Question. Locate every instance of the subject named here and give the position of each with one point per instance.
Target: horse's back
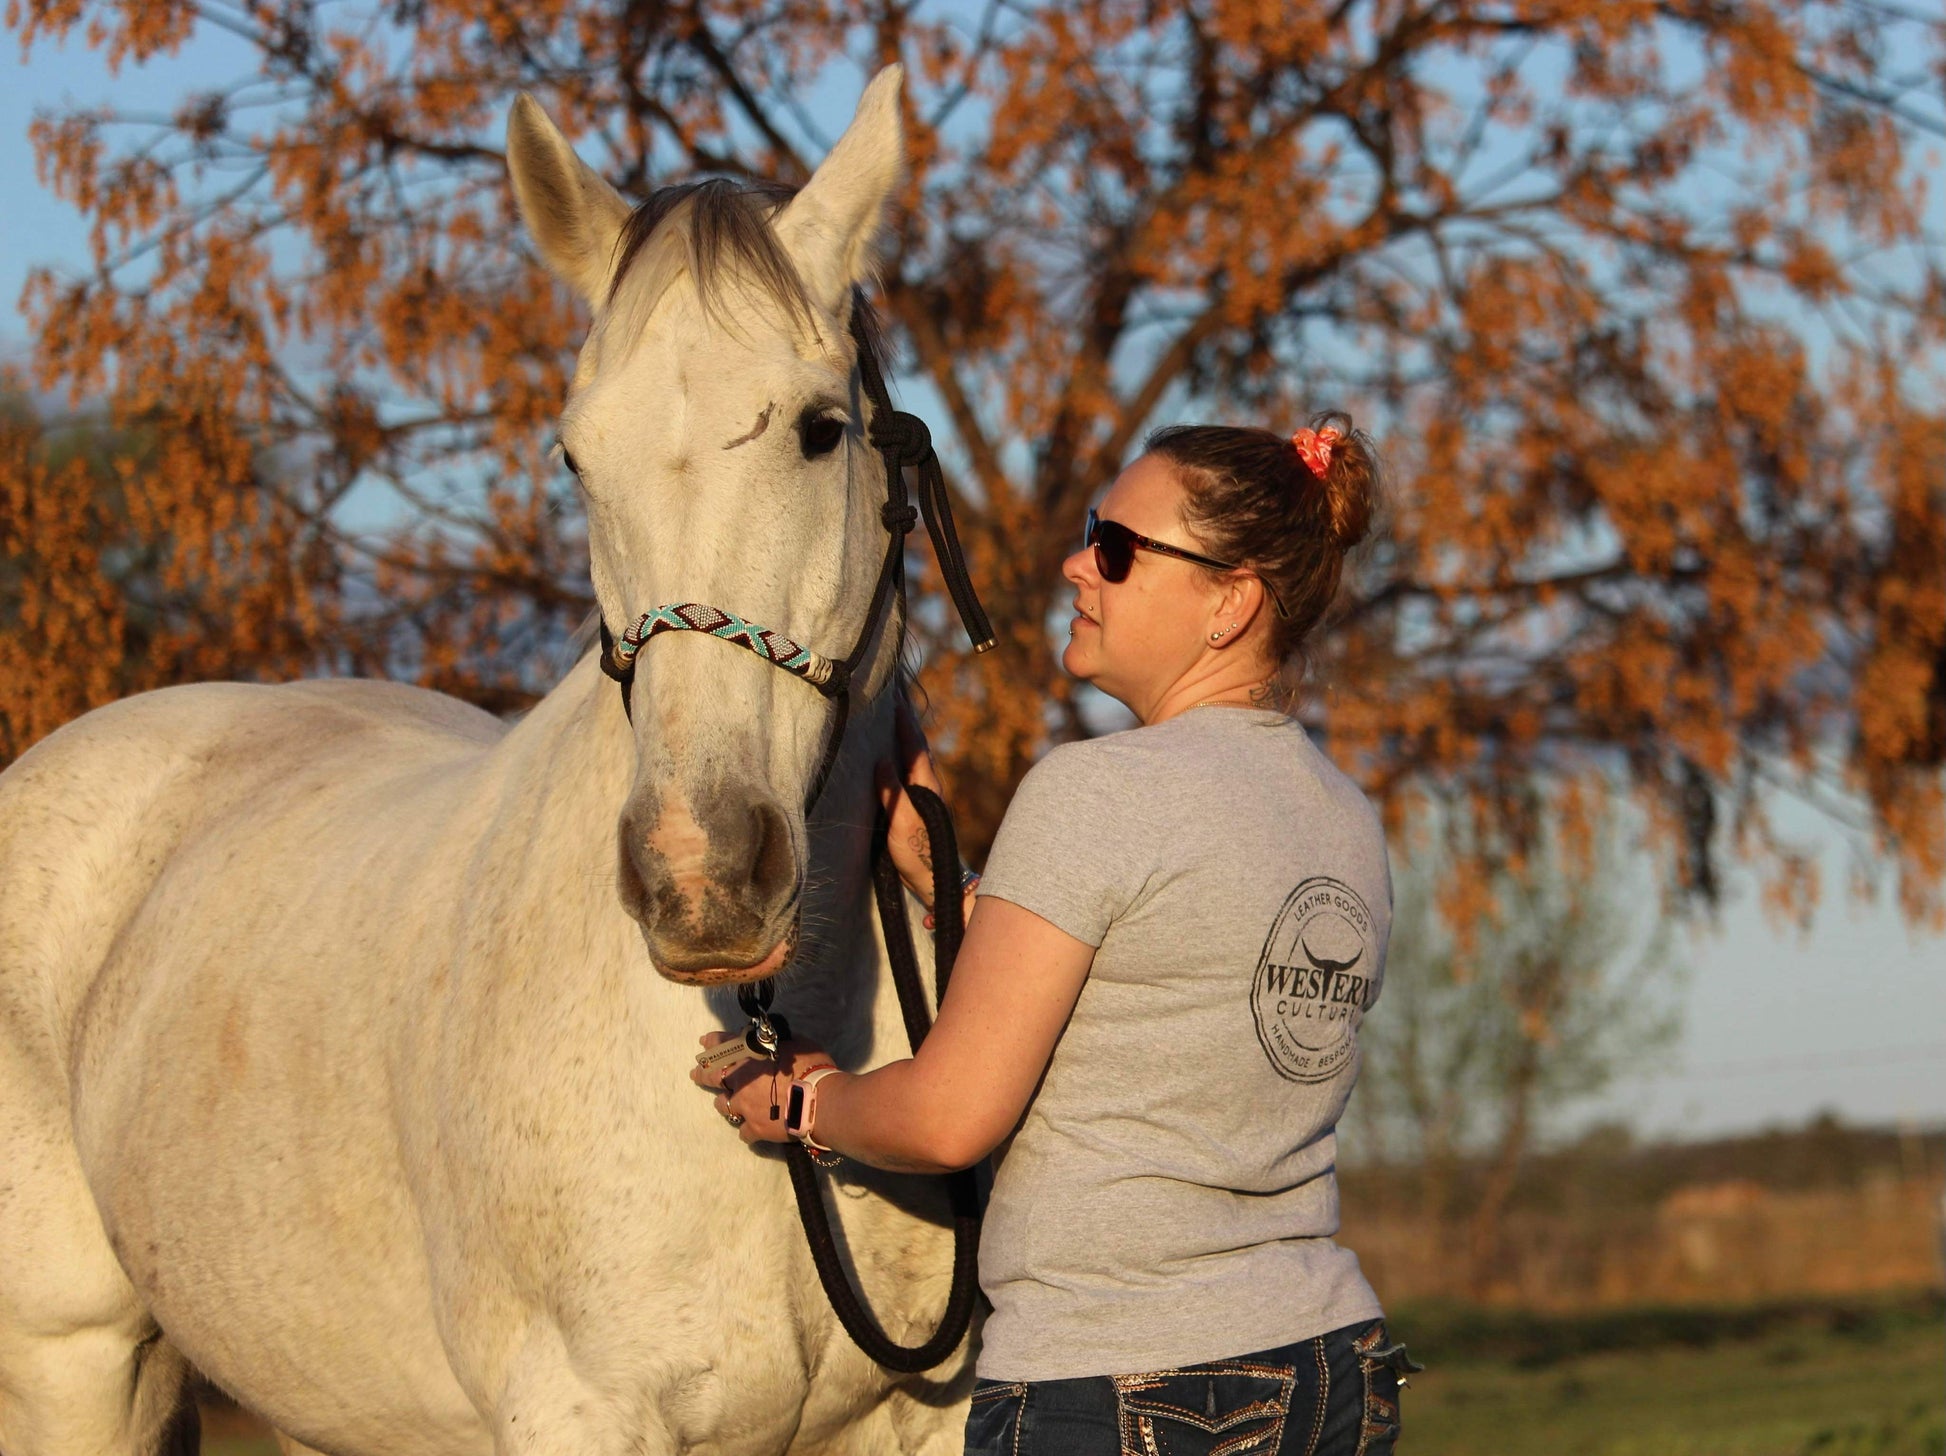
(90, 815)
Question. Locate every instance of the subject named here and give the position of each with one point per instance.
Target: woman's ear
(1242, 599)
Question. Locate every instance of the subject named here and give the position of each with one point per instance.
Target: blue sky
(1849, 1016)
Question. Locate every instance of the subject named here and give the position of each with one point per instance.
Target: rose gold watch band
(807, 1133)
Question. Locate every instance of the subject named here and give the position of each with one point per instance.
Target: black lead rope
(902, 439)
(962, 1192)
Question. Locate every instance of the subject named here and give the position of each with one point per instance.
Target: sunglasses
(1115, 546)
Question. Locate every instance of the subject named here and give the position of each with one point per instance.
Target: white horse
(334, 1059)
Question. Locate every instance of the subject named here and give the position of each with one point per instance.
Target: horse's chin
(774, 961)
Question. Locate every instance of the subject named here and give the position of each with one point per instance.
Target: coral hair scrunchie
(1314, 448)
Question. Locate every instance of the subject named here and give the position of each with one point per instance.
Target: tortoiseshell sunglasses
(1115, 546)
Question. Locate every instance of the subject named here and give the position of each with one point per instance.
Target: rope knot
(901, 436)
(899, 518)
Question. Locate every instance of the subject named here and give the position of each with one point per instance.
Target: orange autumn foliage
(1637, 296)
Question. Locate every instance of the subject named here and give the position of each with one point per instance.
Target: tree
(1639, 296)
(107, 589)
(1483, 1039)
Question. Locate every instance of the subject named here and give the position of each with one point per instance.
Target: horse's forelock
(715, 230)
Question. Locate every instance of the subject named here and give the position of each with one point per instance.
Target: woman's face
(1134, 639)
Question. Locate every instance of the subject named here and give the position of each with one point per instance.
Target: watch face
(794, 1110)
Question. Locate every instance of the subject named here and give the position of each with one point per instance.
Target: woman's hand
(751, 1096)
(907, 839)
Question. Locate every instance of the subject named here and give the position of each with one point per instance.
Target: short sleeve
(1067, 849)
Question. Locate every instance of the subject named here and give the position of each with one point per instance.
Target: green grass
(1788, 1381)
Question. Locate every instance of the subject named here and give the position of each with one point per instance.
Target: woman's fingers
(743, 1124)
(738, 1098)
(705, 1076)
(906, 837)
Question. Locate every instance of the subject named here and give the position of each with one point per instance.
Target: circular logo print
(1314, 980)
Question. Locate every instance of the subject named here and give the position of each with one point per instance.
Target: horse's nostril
(630, 880)
(772, 870)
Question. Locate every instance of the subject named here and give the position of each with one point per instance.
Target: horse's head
(717, 429)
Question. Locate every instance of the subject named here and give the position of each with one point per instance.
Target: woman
(1158, 996)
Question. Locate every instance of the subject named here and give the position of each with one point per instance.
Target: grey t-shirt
(1169, 1196)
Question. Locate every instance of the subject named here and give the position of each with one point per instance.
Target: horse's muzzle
(716, 892)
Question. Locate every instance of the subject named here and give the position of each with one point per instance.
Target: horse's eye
(821, 434)
(568, 460)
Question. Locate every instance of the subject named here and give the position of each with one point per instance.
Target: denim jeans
(1336, 1395)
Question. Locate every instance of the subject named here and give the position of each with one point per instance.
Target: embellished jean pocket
(993, 1420)
(1383, 1366)
(1222, 1408)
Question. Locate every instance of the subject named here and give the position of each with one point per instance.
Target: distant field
(1784, 1381)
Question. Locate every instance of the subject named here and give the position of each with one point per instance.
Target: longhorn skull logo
(1330, 967)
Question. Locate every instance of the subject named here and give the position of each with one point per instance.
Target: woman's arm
(1012, 989)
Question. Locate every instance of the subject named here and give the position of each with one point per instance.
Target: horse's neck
(567, 770)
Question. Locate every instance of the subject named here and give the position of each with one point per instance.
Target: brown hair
(1251, 499)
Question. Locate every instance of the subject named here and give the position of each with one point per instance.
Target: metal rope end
(986, 646)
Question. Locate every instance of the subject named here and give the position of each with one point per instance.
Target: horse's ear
(574, 216)
(831, 225)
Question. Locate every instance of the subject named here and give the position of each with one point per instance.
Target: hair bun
(1346, 468)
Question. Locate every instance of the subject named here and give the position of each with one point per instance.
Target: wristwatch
(801, 1110)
